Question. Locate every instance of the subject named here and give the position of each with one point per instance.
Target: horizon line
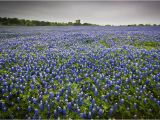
(84, 22)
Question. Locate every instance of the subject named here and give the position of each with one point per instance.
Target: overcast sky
(102, 12)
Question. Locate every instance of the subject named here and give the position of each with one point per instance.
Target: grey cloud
(99, 12)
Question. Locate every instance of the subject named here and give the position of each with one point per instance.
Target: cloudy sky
(102, 12)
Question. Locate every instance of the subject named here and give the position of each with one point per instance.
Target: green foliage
(40, 47)
(88, 41)
(147, 45)
(104, 43)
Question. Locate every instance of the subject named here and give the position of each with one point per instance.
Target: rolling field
(79, 72)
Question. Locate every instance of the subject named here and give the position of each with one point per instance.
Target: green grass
(0, 54)
(40, 47)
(115, 39)
(147, 45)
(14, 47)
(102, 42)
(67, 46)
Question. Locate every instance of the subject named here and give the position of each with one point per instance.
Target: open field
(79, 72)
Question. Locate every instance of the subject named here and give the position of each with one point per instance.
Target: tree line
(144, 25)
(137, 25)
(4, 21)
(22, 22)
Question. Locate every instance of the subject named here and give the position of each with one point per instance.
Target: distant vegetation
(144, 25)
(22, 22)
(130, 25)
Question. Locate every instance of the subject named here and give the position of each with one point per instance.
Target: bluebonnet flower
(29, 108)
(115, 106)
(147, 82)
(90, 107)
(145, 100)
(18, 99)
(59, 110)
(122, 101)
(135, 105)
(100, 112)
(32, 86)
(89, 115)
(93, 111)
(117, 87)
(41, 106)
(81, 115)
(64, 111)
(5, 83)
(115, 93)
(3, 91)
(110, 111)
(4, 109)
(84, 115)
(55, 113)
(18, 108)
(2, 105)
(129, 97)
(69, 105)
(36, 111)
(51, 94)
(34, 100)
(95, 92)
(93, 101)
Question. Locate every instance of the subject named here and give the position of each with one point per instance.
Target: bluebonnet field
(79, 72)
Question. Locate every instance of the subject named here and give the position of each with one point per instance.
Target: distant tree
(87, 24)
(29, 23)
(4, 21)
(107, 25)
(77, 23)
(70, 23)
(147, 24)
(132, 25)
(23, 22)
(140, 24)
